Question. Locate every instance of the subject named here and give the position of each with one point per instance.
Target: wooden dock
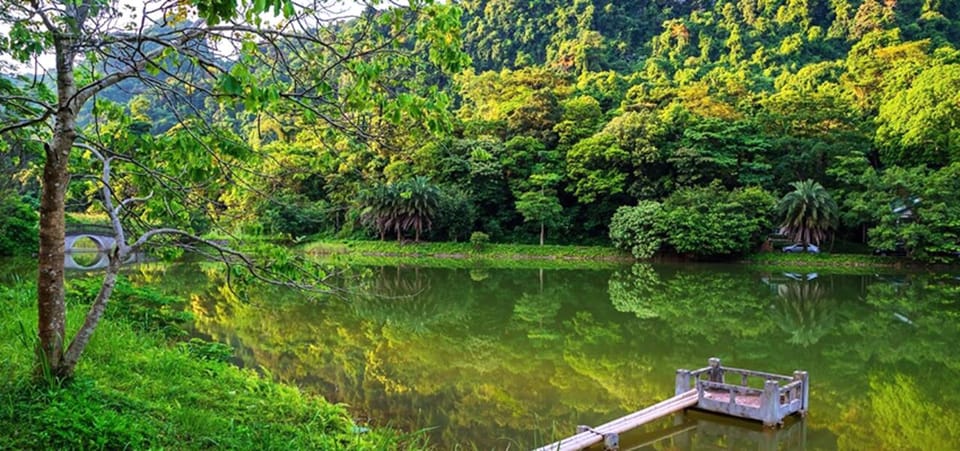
(707, 389)
(609, 433)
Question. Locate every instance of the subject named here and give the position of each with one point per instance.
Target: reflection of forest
(502, 360)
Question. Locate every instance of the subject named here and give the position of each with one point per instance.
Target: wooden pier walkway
(708, 389)
(609, 432)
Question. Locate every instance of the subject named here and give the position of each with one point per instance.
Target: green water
(494, 359)
(497, 359)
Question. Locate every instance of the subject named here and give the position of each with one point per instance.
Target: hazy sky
(133, 10)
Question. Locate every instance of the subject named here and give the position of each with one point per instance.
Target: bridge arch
(70, 240)
(71, 263)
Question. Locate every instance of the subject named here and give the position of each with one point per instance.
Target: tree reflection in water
(495, 358)
(804, 308)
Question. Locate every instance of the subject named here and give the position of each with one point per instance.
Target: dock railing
(779, 396)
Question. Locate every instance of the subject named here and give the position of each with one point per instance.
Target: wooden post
(804, 390)
(683, 382)
(716, 371)
(770, 403)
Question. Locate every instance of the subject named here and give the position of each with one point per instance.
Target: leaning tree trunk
(79, 343)
(50, 292)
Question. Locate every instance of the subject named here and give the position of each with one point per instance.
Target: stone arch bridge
(101, 236)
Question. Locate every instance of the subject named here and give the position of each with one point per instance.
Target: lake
(511, 358)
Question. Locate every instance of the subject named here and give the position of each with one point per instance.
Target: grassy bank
(801, 260)
(554, 256)
(135, 389)
(490, 254)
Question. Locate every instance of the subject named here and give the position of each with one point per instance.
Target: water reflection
(694, 430)
(507, 358)
(804, 307)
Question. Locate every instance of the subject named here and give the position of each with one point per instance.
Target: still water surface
(507, 358)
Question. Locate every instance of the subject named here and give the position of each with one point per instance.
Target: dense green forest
(683, 123)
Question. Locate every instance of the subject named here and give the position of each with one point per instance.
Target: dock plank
(626, 423)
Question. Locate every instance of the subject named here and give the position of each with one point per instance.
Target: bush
(18, 226)
(479, 240)
(455, 216)
(638, 229)
(700, 222)
(713, 222)
(293, 215)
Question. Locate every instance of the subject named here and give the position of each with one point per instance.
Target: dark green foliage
(711, 222)
(701, 222)
(918, 213)
(455, 216)
(18, 225)
(617, 102)
(294, 215)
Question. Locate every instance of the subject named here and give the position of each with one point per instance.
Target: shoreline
(525, 255)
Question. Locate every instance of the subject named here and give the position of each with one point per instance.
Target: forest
(663, 127)
(243, 129)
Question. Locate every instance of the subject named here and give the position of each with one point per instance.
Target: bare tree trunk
(542, 232)
(50, 292)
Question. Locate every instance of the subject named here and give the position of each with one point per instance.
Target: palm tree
(381, 209)
(420, 202)
(808, 212)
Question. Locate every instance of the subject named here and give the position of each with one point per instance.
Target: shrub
(479, 240)
(455, 216)
(293, 215)
(713, 222)
(638, 229)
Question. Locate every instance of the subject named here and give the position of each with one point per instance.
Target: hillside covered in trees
(697, 116)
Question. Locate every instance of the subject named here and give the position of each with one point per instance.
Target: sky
(132, 12)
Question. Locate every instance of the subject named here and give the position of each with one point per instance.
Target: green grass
(135, 390)
(93, 219)
(455, 255)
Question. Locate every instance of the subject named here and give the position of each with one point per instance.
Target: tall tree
(291, 59)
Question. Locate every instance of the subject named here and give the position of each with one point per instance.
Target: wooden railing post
(716, 371)
(770, 403)
(804, 390)
(682, 383)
